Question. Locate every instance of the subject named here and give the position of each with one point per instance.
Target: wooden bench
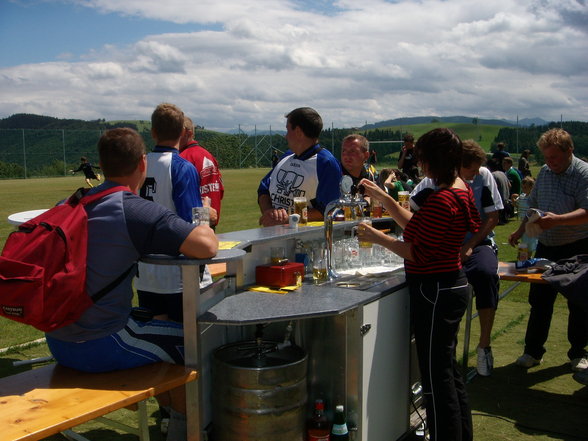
(41, 402)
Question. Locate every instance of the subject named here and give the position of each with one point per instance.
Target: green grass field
(483, 134)
(543, 403)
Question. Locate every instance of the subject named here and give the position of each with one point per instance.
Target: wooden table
(506, 271)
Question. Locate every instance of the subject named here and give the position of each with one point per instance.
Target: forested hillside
(526, 137)
(33, 145)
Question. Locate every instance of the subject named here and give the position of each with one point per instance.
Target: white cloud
(353, 61)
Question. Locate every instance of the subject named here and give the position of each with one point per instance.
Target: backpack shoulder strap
(85, 199)
(80, 196)
(98, 295)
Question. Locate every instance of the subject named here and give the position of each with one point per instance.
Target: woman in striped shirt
(438, 286)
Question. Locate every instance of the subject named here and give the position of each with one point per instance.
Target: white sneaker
(485, 361)
(526, 361)
(579, 364)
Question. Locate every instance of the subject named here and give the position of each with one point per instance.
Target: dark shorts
(482, 272)
(91, 175)
(170, 304)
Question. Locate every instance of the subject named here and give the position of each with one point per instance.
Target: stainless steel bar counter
(357, 340)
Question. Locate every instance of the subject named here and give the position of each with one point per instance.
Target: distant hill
(409, 121)
(39, 122)
(31, 121)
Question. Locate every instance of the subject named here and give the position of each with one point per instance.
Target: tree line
(33, 145)
(527, 137)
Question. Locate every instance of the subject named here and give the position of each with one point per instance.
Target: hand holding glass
(201, 216)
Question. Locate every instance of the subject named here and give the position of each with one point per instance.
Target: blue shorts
(137, 344)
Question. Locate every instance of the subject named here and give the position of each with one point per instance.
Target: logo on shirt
(148, 189)
(288, 183)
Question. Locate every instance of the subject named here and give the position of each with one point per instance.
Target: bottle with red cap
(318, 427)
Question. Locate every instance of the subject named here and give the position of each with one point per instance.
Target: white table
(23, 216)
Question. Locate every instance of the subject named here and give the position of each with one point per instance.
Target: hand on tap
(372, 190)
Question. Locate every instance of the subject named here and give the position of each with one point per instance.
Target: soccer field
(239, 207)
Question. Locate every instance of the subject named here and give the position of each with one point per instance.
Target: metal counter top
(308, 301)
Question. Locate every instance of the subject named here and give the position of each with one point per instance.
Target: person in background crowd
(561, 192)
(504, 189)
(499, 155)
(479, 253)
(524, 166)
(373, 159)
(355, 150)
(522, 204)
(393, 181)
(173, 182)
(211, 181)
(407, 161)
(527, 185)
(87, 168)
(121, 228)
(275, 158)
(439, 292)
(513, 177)
(308, 170)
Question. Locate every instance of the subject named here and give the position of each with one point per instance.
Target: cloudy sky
(246, 62)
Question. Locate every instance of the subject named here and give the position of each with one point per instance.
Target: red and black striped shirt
(437, 230)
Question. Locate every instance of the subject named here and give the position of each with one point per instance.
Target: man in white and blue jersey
(307, 171)
(561, 191)
(173, 182)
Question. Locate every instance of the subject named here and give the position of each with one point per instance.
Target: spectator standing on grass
(173, 182)
(524, 166)
(503, 189)
(275, 158)
(407, 161)
(499, 155)
(513, 176)
(439, 293)
(121, 228)
(88, 170)
(561, 192)
(211, 181)
(308, 170)
(522, 207)
(479, 253)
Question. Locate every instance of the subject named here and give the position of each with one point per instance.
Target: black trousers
(542, 297)
(437, 306)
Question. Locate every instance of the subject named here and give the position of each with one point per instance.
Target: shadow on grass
(532, 401)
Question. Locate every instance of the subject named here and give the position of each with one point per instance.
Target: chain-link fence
(26, 153)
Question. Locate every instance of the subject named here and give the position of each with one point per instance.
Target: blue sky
(47, 31)
(229, 62)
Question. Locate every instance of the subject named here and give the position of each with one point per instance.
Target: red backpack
(43, 266)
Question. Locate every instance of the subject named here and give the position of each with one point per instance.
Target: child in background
(527, 185)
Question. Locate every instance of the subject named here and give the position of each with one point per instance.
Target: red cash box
(279, 275)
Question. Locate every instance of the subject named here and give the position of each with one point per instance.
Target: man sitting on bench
(122, 227)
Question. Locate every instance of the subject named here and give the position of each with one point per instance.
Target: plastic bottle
(339, 432)
(318, 427)
(523, 253)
